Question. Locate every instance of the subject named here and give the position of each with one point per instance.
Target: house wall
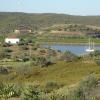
(12, 41)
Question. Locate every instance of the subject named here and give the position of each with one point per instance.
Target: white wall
(12, 40)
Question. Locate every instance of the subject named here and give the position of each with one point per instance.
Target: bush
(68, 56)
(24, 57)
(3, 70)
(31, 93)
(6, 45)
(77, 94)
(25, 48)
(8, 50)
(34, 48)
(22, 42)
(5, 52)
(50, 86)
(2, 55)
(41, 61)
(83, 91)
(7, 55)
(89, 83)
(51, 52)
(18, 87)
(97, 62)
(6, 91)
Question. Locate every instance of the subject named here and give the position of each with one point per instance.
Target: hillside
(10, 21)
(31, 71)
(61, 28)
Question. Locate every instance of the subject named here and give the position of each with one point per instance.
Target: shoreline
(59, 43)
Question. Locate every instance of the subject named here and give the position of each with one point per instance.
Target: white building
(22, 31)
(12, 40)
(17, 31)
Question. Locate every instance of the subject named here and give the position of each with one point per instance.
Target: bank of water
(76, 49)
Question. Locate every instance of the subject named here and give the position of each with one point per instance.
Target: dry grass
(61, 72)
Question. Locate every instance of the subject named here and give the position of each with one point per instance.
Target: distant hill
(63, 28)
(13, 20)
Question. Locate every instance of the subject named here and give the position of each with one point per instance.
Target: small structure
(16, 31)
(23, 29)
(12, 40)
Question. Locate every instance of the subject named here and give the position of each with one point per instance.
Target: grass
(66, 40)
(62, 72)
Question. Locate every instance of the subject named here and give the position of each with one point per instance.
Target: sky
(72, 7)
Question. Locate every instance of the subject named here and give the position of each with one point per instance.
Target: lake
(76, 49)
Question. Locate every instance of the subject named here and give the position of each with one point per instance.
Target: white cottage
(12, 40)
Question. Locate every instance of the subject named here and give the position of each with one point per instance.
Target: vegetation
(29, 71)
(11, 21)
(85, 90)
(42, 61)
(68, 56)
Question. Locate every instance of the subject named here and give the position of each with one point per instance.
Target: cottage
(12, 40)
(16, 31)
(23, 29)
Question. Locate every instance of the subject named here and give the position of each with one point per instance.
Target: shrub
(97, 62)
(97, 53)
(2, 55)
(18, 87)
(42, 51)
(77, 94)
(89, 83)
(83, 90)
(24, 57)
(22, 42)
(7, 55)
(6, 91)
(8, 50)
(34, 48)
(25, 48)
(3, 70)
(68, 56)
(41, 61)
(51, 52)
(50, 86)
(6, 45)
(31, 93)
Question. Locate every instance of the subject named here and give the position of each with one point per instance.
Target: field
(61, 72)
(58, 80)
(65, 39)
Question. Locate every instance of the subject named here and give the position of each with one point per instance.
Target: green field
(66, 40)
(62, 72)
(58, 79)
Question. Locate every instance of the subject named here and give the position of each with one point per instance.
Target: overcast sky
(73, 7)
